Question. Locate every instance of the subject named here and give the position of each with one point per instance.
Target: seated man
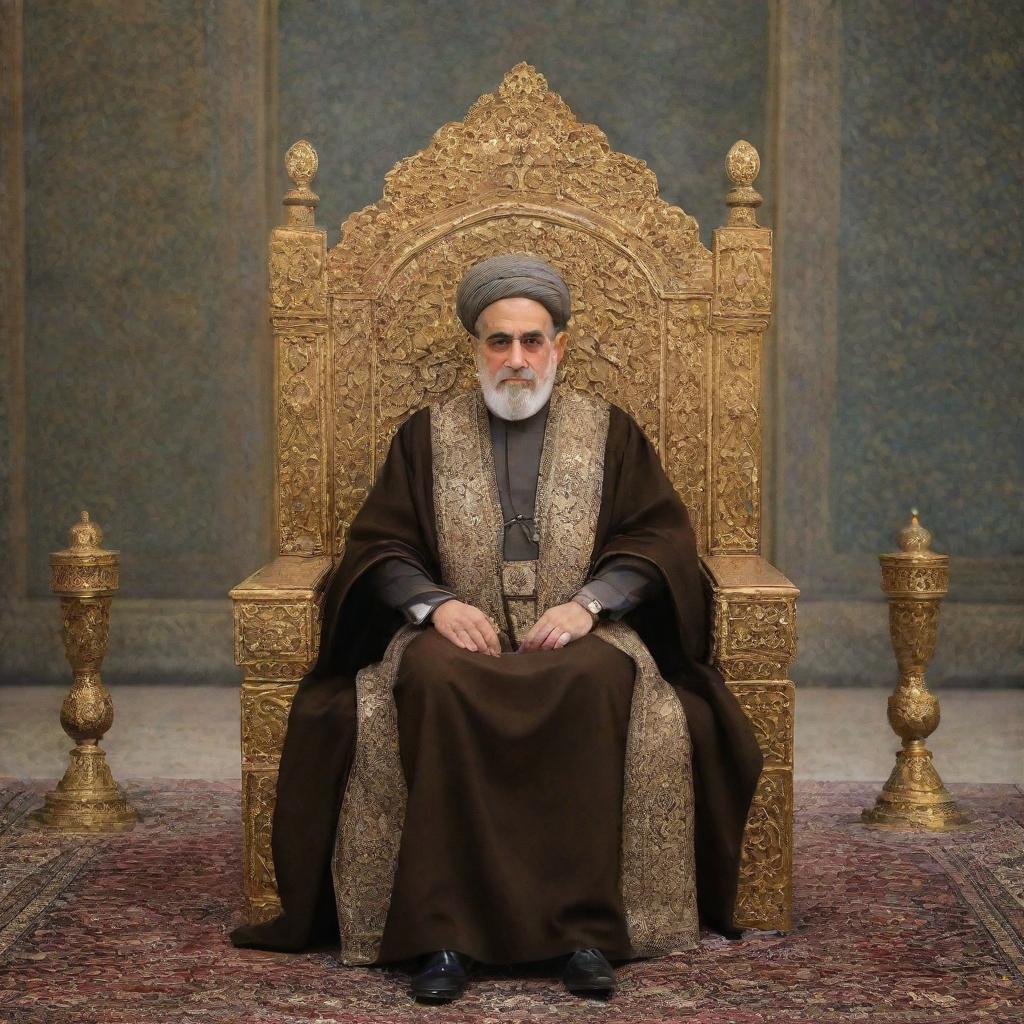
(512, 747)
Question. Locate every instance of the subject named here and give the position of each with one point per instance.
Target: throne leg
(765, 896)
(265, 708)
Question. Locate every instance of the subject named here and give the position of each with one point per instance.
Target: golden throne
(365, 333)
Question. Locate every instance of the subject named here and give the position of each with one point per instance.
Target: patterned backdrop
(148, 166)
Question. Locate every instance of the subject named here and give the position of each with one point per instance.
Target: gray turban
(511, 276)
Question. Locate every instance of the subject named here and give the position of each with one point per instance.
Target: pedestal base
(87, 798)
(914, 798)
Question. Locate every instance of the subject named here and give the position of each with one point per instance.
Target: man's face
(518, 351)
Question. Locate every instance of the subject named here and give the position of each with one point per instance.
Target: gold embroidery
(372, 811)
(657, 878)
(658, 872)
(519, 579)
(466, 505)
(519, 590)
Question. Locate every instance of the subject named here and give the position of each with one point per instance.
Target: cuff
(422, 606)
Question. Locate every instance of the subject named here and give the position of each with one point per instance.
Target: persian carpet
(887, 927)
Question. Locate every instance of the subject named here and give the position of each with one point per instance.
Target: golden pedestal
(86, 577)
(915, 580)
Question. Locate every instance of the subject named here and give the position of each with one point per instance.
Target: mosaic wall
(146, 369)
(930, 373)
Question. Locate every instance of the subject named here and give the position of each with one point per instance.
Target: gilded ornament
(742, 163)
(915, 579)
(301, 163)
(736, 441)
(764, 895)
(265, 710)
(85, 576)
(770, 710)
(259, 794)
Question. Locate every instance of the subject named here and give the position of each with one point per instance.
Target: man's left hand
(557, 627)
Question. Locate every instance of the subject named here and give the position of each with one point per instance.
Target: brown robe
(640, 515)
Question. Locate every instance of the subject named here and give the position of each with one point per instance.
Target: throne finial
(742, 165)
(301, 164)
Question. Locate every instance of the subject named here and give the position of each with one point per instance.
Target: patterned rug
(887, 927)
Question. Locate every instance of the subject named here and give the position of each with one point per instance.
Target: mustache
(506, 374)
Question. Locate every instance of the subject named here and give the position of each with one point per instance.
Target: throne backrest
(367, 333)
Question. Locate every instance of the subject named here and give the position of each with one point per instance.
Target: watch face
(594, 607)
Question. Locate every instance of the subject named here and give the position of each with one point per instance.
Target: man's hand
(557, 627)
(466, 627)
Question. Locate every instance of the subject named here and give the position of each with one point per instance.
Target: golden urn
(85, 576)
(915, 579)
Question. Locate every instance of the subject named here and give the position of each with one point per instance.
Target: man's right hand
(466, 627)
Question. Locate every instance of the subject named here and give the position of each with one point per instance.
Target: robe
(639, 516)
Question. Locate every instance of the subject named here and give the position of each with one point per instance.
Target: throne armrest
(754, 617)
(753, 642)
(277, 617)
(277, 634)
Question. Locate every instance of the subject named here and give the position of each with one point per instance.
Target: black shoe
(442, 976)
(589, 973)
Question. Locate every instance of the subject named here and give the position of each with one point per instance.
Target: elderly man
(512, 747)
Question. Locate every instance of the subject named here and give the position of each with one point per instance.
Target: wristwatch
(593, 606)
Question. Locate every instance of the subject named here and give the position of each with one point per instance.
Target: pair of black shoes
(443, 976)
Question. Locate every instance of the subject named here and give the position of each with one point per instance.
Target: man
(544, 764)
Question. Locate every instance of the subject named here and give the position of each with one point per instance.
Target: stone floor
(192, 732)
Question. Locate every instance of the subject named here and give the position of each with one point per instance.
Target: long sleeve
(406, 588)
(621, 584)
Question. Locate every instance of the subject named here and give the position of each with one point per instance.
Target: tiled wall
(143, 393)
(149, 161)
(930, 369)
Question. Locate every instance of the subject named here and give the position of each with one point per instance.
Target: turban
(510, 276)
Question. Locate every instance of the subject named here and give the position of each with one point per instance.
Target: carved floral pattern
(908, 577)
(264, 721)
(86, 630)
(296, 271)
(913, 626)
(744, 271)
(522, 141)
(742, 163)
(276, 671)
(761, 629)
(272, 630)
(259, 794)
(736, 492)
(301, 163)
(353, 343)
(301, 433)
(687, 372)
(76, 578)
(770, 710)
(764, 896)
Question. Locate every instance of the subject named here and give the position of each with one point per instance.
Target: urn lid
(85, 539)
(915, 543)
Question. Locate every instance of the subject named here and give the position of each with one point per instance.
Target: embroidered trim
(658, 870)
(372, 811)
(470, 530)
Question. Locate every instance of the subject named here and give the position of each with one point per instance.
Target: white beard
(516, 401)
